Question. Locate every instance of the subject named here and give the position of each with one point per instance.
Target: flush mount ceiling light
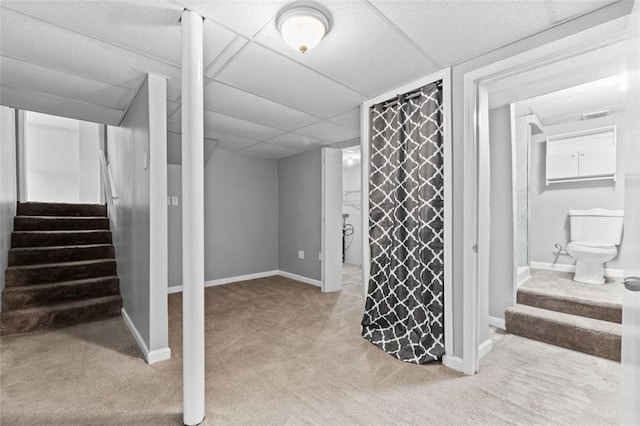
(302, 27)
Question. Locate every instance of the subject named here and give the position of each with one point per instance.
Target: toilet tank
(596, 226)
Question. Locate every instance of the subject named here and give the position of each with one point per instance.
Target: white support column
(193, 218)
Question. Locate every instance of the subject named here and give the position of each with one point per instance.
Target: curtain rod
(409, 95)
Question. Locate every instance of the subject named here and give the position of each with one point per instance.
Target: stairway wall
(139, 216)
(8, 193)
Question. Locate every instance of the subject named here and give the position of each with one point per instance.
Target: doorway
(60, 160)
(573, 60)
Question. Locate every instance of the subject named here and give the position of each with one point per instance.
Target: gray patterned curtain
(404, 309)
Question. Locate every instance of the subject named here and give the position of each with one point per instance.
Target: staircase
(571, 322)
(61, 268)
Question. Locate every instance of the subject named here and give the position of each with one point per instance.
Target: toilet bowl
(590, 259)
(595, 234)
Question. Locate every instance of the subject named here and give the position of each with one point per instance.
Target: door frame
(477, 189)
(445, 76)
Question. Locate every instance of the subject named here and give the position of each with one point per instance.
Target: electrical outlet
(168, 201)
(145, 160)
(300, 254)
(320, 256)
(174, 201)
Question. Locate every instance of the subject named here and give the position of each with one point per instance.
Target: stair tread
(73, 246)
(568, 319)
(570, 298)
(36, 287)
(61, 264)
(63, 306)
(60, 231)
(23, 216)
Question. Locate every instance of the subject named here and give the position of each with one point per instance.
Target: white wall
(300, 205)
(501, 260)
(90, 135)
(549, 205)
(8, 194)
(174, 189)
(141, 268)
(52, 161)
(351, 178)
(241, 215)
(61, 160)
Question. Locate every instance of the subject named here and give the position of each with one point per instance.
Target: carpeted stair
(61, 268)
(574, 323)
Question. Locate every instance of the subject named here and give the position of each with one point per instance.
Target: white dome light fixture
(302, 27)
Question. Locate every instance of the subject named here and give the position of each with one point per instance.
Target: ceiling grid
(86, 60)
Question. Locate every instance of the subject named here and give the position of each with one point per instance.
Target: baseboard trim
(174, 289)
(229, 280)
(453, 362)
(247, 277)
(159, 355)
(485, 348)
(560, 267)
(300, 278)
(497, 322)
(151, 357)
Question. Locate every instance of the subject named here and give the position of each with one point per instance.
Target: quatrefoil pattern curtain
(404, 308)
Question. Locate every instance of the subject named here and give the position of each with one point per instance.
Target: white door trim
(476, 161)
(445, 76)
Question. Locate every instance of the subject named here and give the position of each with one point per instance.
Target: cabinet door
(562, 165)
(598, 162)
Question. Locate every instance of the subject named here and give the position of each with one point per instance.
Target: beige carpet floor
(562, 284)
(281, 352)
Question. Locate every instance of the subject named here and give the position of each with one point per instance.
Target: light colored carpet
(281, 352)
(562, 284)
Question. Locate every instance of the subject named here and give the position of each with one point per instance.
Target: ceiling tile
(453, 31)
(244, 17)
(232, 143)
(350, 119)
(224, 124)
(25, 76)
(172, 107)
(212, 68)
(271, 151)
(361, 50)
(151, 27)
(328, 131)
(39, 43)
(38, 102)
(565, 9)
(268, 74)
(176, 115)
(295, 141)
(230, 101)
(174, 127)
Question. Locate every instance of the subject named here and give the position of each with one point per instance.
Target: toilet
(595, 234)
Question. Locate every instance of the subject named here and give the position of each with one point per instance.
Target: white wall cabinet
(582, 156)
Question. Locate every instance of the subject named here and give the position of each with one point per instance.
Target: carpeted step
(59, 238)
(58, 254)
(605, 311)
(16, 276)
(61, 209)
(588, 335)
(62, 314)
(59, 223)
(53, 293)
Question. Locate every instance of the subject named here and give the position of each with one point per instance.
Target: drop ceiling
(86, 60)
(568, 105)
